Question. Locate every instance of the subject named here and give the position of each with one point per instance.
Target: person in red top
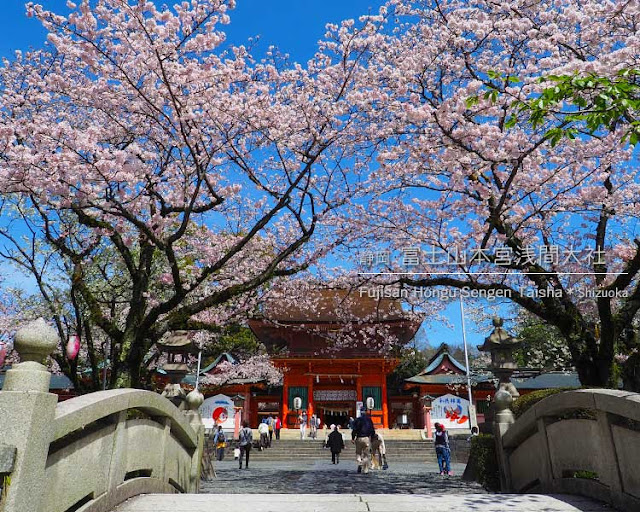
(443, 452)
(277, 427)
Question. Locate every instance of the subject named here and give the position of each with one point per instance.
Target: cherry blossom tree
(542, 345)
(8, 323)
(258, 367)
(482, 198)
(201, 173)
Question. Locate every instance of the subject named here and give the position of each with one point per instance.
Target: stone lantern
(501, 345)
(177, 346)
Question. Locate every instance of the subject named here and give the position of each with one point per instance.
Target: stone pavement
(322, 477)
(319, 486)
(358, 503)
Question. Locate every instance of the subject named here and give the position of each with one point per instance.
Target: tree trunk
(631, 373)
(130, 371)
(593, 374)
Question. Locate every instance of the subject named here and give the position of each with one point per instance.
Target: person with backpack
(220, 443)
(361, 435)
(313, 424)
(271, 422)
(443, 451)
(263, 430)
(245, 438)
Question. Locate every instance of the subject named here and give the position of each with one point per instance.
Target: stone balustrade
(584, 442)
(92, 452)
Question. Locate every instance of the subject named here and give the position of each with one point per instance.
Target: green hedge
(483, 463)
(525, 402)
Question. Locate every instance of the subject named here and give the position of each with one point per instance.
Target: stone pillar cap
(35, 341)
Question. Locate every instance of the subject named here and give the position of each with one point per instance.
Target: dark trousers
(277, 433)
(335, 457)
(244, 451)
(219, 453)
(270, 437)
(444, 458)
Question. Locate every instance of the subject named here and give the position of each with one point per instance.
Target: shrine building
(333, 377)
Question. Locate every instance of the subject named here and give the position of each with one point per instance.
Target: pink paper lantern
(73, 347)
(3, 353)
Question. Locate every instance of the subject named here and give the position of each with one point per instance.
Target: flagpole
(466, 358)
(198, 372)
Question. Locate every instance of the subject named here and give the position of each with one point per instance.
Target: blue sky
(294, 26)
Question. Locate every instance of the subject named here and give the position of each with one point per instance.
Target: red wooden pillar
(310, 398)
(247, 405)
(237, 421)
(285, 402)
(385, 408)
(427, 422)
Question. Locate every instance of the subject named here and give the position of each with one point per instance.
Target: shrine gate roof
(334, 306)
(309, 326)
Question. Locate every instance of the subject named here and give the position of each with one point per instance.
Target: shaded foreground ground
(322, 477)
(359, 503)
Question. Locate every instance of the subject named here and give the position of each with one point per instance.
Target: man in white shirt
(263, 430)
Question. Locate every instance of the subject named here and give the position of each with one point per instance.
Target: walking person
(245, 438)
(302, 420)
(263, 430)
(313, 424)
(378, 452)
(361, 435)
(443, 451)
(271, 422)
(335, 443)
(326, 435)
(278, 426)
(220, 443)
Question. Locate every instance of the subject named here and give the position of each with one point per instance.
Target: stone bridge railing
(584, 442)
(89, 453)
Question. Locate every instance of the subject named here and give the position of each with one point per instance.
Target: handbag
(236, 453)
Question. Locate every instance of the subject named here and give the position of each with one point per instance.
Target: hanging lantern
(3, 353)
(73, 347)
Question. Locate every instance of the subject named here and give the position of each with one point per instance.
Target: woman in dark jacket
(335, 443)
(443, 452)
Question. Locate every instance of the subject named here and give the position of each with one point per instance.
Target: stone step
(358, 503)
(319, 442)
(388, 434)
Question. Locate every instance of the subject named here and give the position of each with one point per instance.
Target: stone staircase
(397, 451)
(309, 449)
(388, 434)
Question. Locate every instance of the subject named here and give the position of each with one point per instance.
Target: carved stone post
(28, 412)
(193, 402)
(503, 419)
